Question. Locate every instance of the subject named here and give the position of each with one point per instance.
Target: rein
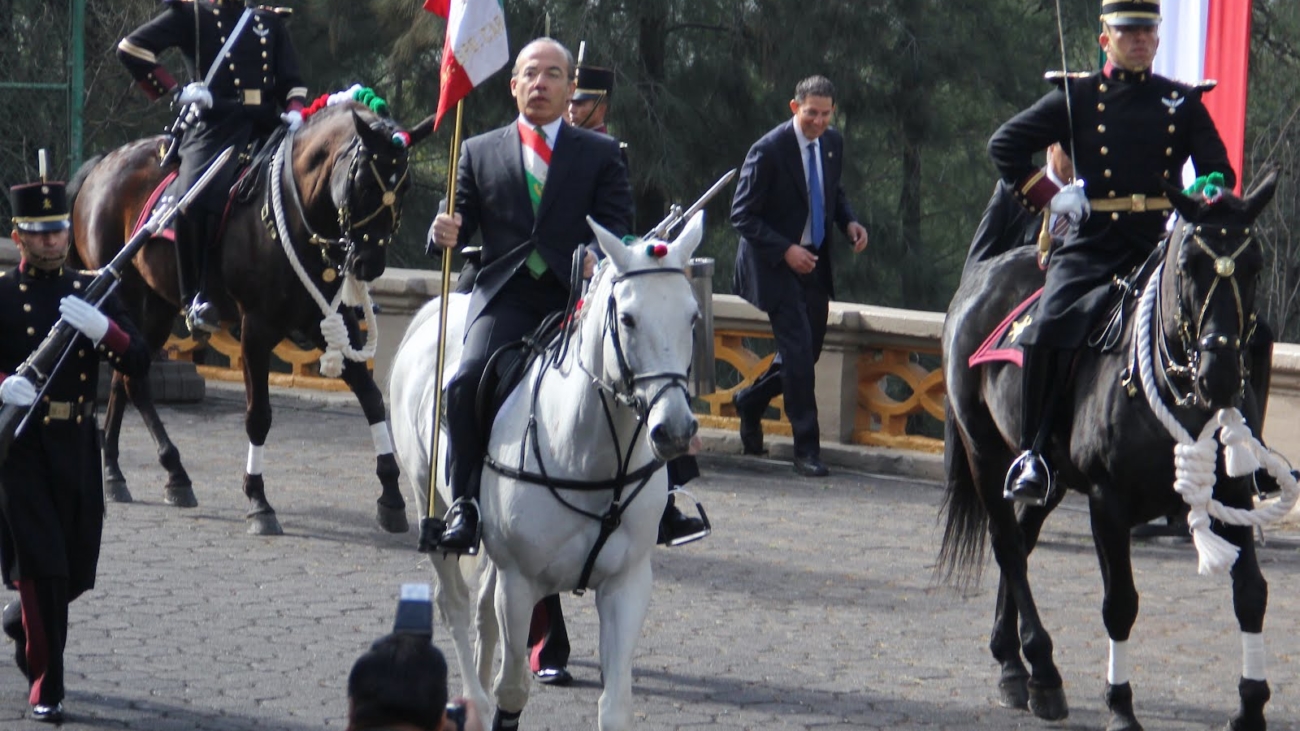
(332, 327)
(622, 391)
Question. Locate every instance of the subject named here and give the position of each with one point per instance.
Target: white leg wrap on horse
(254, 466)
(383, 442)
(1252, 656)
(1118, 672)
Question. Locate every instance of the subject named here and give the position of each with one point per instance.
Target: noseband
(1195, 342)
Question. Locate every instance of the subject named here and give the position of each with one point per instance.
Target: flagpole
(435, 438)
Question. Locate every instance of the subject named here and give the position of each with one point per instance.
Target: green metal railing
(74, 86)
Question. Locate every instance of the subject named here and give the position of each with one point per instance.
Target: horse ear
(1189, 208)
(690, 237)
(371, 138)
(1260, 195)
(615, 251)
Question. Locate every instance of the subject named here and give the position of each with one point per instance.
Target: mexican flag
(1210, 39)
(474, 49)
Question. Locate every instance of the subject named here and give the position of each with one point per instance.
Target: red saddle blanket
(161, 197)
(1001, 344)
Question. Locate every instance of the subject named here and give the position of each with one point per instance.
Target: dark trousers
(45, 626)
(799, 326)
(516, 311)
(548, 638)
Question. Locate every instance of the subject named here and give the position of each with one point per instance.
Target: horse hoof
(115, 491)
(180, 496)
(264, 524)
(392, 520)
(1014, 693)
(1048, 703)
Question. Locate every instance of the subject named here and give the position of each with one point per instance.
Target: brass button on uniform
(27, 308)
(31, 331)
(1105, 150)
(1102, 88)
(1114, 216)
(1101, 128)
(1169, 152)
(1101, 106)
(1172, 128)
(1107, 173)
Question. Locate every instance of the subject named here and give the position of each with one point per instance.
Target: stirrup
(198, 318)
(1014, 471)
(704, 532)
(472, 549)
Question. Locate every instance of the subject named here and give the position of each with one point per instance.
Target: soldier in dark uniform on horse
(246, 72)
(51, 496)
(1127, 129)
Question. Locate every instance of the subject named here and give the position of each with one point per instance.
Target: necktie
(537, 160)
(815, 204)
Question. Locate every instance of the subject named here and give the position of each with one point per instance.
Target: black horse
(336, 199)
(1114, 450)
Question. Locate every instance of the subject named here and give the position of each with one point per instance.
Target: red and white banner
(1210, 39)
(475, 47)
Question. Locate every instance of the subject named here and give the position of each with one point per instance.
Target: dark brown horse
(1184, 367)
(337, 200)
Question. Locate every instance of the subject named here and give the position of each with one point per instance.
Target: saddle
(1001, 345)
(254, 168)
(506, 369)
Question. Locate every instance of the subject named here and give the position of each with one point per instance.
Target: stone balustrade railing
(878, 379)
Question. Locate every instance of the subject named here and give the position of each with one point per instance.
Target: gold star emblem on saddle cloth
(1019, 326)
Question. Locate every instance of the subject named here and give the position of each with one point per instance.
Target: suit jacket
(769, 211)
(1006, 225)
(587, 177)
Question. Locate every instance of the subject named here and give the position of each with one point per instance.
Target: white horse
(594, 420)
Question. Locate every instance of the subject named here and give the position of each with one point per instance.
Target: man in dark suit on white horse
(527, 188)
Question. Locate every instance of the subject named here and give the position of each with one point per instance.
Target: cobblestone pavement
(813, 605)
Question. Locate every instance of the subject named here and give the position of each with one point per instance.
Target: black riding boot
(677, 528)
(1260, 354)
(1030, 479)
(462, 534)
(193, 237)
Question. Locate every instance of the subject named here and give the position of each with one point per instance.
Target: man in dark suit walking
(789, 189)
(527, 188)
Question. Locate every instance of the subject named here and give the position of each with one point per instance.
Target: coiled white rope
(1195, 461)
(352, 292)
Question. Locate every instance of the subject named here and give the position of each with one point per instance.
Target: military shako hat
(1130, 12)
(594, 82)
(41, 206)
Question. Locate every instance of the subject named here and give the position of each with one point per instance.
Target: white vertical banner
(1181, 56)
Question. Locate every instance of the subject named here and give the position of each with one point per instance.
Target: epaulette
(1059, 77)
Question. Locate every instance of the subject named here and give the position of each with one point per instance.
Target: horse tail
(961, 557)
(74, 187)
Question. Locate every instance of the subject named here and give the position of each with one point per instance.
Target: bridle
(338, 252)
(623, 388)
(1190, 327)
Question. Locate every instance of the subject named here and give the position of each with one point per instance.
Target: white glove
(82, 315)
(17, 391)
(1072, 203)
(293, 118)
(196, 93)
